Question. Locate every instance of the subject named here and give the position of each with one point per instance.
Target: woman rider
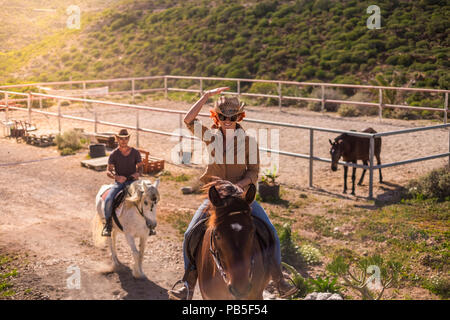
(226, 113)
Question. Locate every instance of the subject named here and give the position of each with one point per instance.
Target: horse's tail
(96, 228)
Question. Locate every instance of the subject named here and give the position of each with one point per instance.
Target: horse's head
(232, 235)
(144, 196)
(336, 152)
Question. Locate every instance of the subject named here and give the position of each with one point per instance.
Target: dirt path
(46, 209)
(46, 206)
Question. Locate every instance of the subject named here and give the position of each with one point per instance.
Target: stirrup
(289, 292)
(186, 285)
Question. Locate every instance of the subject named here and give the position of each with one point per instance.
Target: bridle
(141, 212)
(216, 257)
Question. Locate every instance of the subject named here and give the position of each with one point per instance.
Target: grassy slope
(295, 40)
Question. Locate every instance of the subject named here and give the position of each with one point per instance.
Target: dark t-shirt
(125, 166)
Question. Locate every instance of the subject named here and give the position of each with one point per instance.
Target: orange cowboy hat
(228, 106)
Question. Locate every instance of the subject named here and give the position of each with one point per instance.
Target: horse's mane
(339, 137)
(226, 189)
(134, 193)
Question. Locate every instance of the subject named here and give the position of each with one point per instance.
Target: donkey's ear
(214, 197)
(251, 193)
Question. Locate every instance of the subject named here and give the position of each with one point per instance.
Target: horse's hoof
(139, 276)
(116, 267)
(353, 193)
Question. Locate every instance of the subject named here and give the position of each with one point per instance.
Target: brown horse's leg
(363, 173)
(345, 179)
(353, 178)
(378, 163)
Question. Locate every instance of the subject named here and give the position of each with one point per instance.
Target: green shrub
(329, 94)
(326, 284)
(310, 254)
(438, 285)
(435, 184)
(352, 110)
(289, 250)
(348, 110)
(69, 142)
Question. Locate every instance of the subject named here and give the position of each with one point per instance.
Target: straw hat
(228, 106)
(123, 134)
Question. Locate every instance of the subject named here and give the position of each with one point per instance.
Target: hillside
(293, 40)
(25, 22)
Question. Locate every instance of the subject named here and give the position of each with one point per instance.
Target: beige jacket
(232, 170)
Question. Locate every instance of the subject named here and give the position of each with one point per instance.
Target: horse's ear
(156, 184)
(330, 142)
(214, 197)
(251, 193)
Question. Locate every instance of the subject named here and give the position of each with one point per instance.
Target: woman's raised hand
(216, 91)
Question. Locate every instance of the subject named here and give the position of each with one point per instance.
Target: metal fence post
(322, 109)
(165, 87)
(7, 108)
(446, 108)
(181, 152)
(311, 155)
(371, 152)
(201, 87)
(137, 128)
(29, 107)
(380, 102)
(132, 90)
(84, 94)
(239, 88)
(95, 121)
(279, 95)
(59, 116)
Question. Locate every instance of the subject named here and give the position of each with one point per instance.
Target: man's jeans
(257, 211)
(115, 189)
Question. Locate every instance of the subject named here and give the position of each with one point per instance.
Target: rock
(335, 296)
(187, 190)
(311, 296)
(323, 296)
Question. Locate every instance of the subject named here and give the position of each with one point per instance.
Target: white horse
(136, 214)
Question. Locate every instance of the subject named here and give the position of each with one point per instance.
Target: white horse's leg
(142, 242)
(137, 272)
(115, 259)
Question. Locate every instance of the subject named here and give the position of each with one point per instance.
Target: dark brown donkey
(351, 149)
(230, 262)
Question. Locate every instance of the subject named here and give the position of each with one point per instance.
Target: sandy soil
(46, 205)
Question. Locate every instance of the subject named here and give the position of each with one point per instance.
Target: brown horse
(351, 149)
(230, 260)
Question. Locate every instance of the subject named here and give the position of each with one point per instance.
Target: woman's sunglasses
(232, 118)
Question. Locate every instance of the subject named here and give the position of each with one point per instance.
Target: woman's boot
(187, 291)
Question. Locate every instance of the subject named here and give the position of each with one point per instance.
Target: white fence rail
(323, 99)
(31, 95)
